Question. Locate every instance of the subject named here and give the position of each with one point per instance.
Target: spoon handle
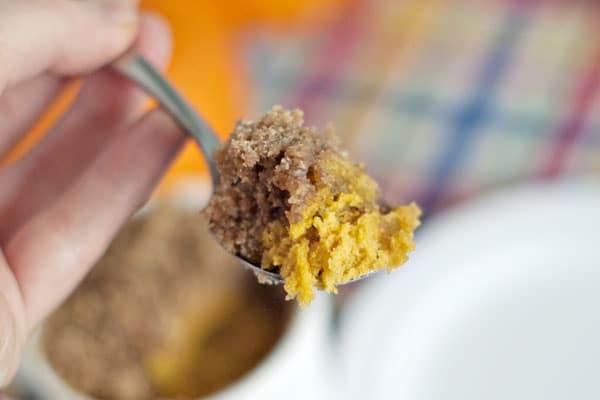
(137, 69)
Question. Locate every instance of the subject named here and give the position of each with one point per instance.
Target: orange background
(206, 64)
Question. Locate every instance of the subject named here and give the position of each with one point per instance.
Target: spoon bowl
(138, 70)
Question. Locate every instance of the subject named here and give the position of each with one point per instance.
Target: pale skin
(61, 204)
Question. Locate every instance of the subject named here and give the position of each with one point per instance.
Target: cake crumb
(291, 201)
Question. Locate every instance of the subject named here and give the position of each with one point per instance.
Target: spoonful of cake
(287, 201)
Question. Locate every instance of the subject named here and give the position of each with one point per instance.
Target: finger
(105, 103)
(11, 329)
(55, 248)
(22, 105)
(62, 36)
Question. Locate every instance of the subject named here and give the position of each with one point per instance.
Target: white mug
(294, 369)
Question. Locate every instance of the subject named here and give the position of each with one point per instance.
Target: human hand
(62, 202)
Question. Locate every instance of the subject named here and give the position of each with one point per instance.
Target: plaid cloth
(445, 99)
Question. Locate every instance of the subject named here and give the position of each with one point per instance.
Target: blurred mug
(295, 368)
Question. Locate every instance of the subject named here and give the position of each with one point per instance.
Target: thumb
(62, 36)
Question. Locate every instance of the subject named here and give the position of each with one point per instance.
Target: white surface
(500, 301)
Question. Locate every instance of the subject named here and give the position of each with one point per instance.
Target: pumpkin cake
(290, 200)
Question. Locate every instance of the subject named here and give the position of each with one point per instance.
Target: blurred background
(443, 100)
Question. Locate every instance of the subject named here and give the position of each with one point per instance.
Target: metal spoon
(137, 69)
